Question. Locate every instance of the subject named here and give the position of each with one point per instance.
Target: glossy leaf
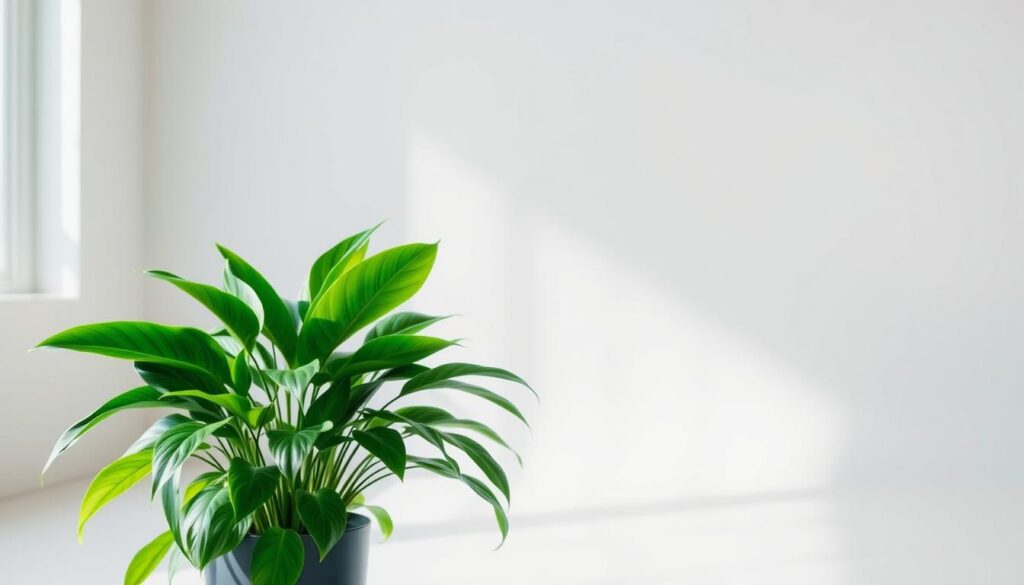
(383, 518)
(182, 347)
(232, 311)
(200, 483)
(435, 377)
(210, 526)
(241, 375)
(483, 459)
(112, 481)
(477, 391)
(363, 294)
(148, 559)
(441, 419)
(279, 326)
(391, 351)
(243, 292)
(141, 397)
(294, 380)
(290, 448)
(324, 515)
(250, 487)
(149, 438)
(170, 378)
(385, 444)
(233, 403)
(176, 445)
(406, 323)
(277, 558)
(337, 261)
(331, 405)
(444, 468)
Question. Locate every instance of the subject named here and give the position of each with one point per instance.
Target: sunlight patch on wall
(645, 398)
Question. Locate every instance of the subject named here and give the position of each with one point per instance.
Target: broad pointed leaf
(324, 516)
(176, 445)
(210, 526)
(405, 323)
(250, 487)
(279, 325)
(171, 378)
(338, 260)
(232, 311)
(483, 459)
(277, 558)
(149, 438)
(391, 351)
(290, 448)
(477, 391)
(112, 481)
(363, 294)
(383, 518)
(294, 380)
(233, 403)
(183, 347)
(387, 445)
(435, 377)
(141, 397)
(148, 559)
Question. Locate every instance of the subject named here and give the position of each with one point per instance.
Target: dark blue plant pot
(344, 565)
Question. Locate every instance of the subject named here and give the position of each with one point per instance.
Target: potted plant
(293, 429)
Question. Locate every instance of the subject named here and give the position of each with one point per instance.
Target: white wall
(45, 392)
(745, 250)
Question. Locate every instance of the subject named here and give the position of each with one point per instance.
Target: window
(17, 145)
(39, 146)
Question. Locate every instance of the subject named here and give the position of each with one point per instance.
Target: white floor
(814, 538)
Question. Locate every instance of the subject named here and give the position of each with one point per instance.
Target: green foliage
(281, 411)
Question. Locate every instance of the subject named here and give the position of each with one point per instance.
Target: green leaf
(277, 558)
(182, 347)
(258, 417)
(172, 509)
(243, 292)
(294, 380)
(435, 377)
(250, 487)
(331, 405)
(199, 484)
(363, 294)
(112, 481)
(387, 445)
(280, 325)
(241, 375)
(232, 311)
(402, 324)
(387, 526)
(148, 559)
(290, 448)
(233, 403)
(176, 445)
(483, 459)
(324, 516)
(338, 260)
(477, 391)
(438, 418)
(141, 397)
(391, 351)
(149, 438)
(171, 378)
(445, 469)
(211, 528)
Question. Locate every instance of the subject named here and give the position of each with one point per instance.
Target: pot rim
(355, 522)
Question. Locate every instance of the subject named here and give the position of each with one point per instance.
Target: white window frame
(17, 151)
